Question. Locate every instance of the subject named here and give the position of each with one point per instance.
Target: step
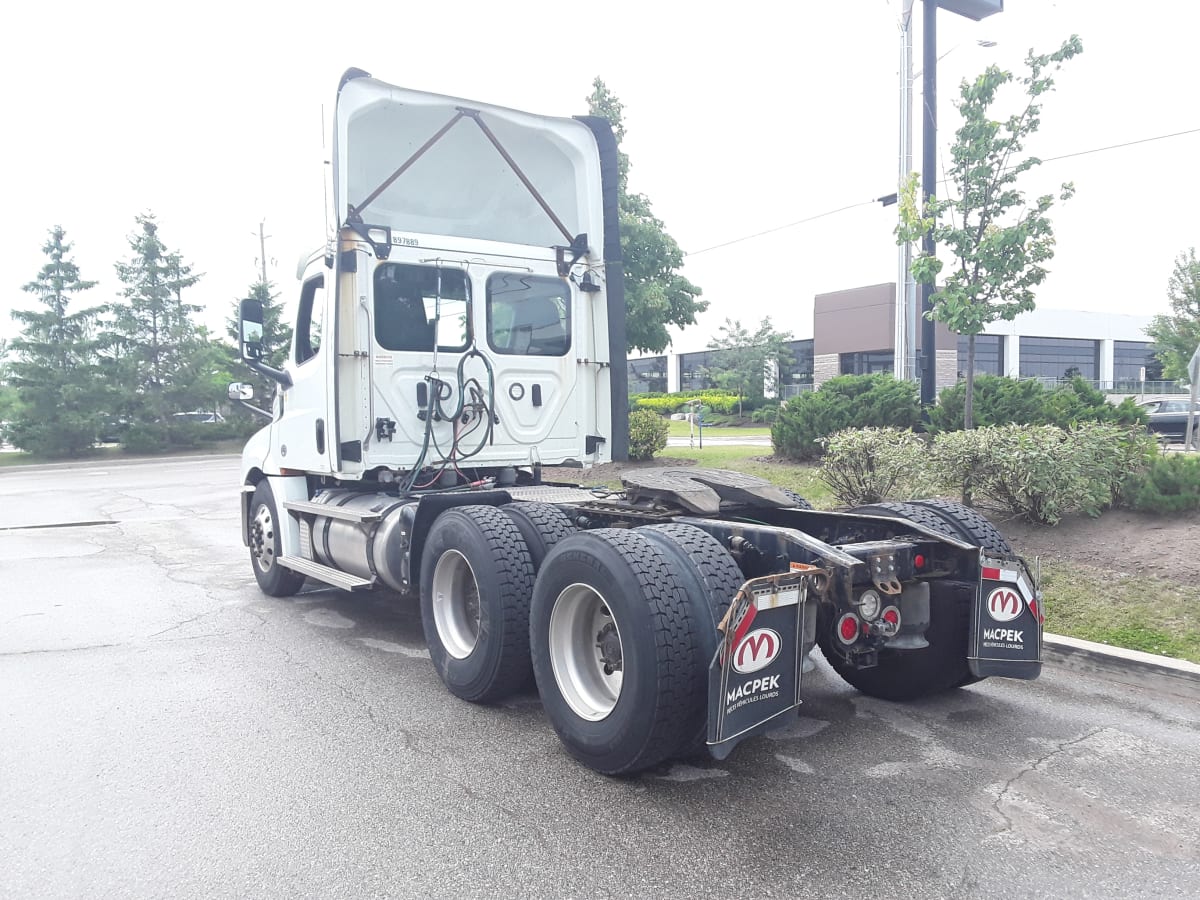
(327, 574)
(331, 512)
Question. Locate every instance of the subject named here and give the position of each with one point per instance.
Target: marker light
(869, 605)
(847, 628)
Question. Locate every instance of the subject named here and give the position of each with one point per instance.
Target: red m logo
(757, 650)
(1004, 605)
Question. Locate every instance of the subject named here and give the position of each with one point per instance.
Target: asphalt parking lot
(167, 730)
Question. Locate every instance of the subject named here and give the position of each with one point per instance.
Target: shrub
(998, 401)
(1007, 401)
(848, 401)
(145, 438)
(766, 414)
(1170, 484)
(647, 434)
(867, 465)
(1042, 472)
(716, 401)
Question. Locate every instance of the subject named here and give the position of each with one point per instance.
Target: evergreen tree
(55, 365)
(656, 295)
(153, 336)
(277, 332)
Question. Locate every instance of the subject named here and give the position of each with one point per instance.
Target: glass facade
(694, 369)
(1131, 357)
(648, 376)
(800, 369)
(987, 355)
(1059, 358)
(867, 363)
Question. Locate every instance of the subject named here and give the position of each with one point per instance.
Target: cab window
(310, 319)
(528, 315)
(418, 307)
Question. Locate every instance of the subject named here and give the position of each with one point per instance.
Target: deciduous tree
(1177, 335)
(745, 360)
(999, 241)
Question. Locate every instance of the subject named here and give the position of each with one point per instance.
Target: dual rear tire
(618, 628)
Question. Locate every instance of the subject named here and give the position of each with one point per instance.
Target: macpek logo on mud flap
(1004, 604)
(757, 650)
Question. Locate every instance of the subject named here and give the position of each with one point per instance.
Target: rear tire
(266, 546)
(946, 517)
(614, 651)
(711, 579)
(942, 666)
(476, 581)
(801, 503)
(904, 675)
(542, 525)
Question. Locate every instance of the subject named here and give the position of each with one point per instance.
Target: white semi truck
(464, 327)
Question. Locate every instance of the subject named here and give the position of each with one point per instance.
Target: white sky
(740, 117)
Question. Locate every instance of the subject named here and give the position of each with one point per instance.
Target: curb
(1129, 667)
(116, 462)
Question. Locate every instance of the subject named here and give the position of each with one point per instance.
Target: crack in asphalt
(60, 649)
(1034, 767)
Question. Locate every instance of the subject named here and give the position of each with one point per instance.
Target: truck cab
(461, 317)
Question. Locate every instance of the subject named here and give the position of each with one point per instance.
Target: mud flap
(754, 677)
(1006, 622)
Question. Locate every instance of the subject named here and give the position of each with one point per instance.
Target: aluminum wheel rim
(456, 604)
(583, 638)
(262, 538)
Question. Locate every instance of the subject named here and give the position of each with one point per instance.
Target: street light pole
(905, 335)
(928, 181)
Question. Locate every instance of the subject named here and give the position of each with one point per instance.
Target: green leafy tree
(153, 338)
(60, 394)
(1000, 241)
(745, 360)
(656, 295)
(1177, 335)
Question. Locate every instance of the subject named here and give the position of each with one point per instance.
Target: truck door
(530, 328)
(302, 434)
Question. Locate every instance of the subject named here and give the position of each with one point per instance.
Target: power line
(782, 227)
(1159, 137)
(841, 209)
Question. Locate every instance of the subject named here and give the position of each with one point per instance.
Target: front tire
(476, 581)
(266, 546)
(618, 669)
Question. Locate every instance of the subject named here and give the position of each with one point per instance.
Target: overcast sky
(740, 118)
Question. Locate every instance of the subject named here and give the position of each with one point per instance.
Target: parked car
(200, 416)
(1168, 417)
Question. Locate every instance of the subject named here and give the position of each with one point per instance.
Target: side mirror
(250, 329)
(240, 390)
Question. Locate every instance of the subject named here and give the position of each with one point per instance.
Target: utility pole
(905, 342)
(262, 249)
(928, 181)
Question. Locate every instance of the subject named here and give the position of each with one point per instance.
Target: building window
(528, 315)
(1135, 361)
(648, 376)
(987, 355)
(800, 369)
(696, 369)
(867, 363)
(1057, 359)
(415, 303)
